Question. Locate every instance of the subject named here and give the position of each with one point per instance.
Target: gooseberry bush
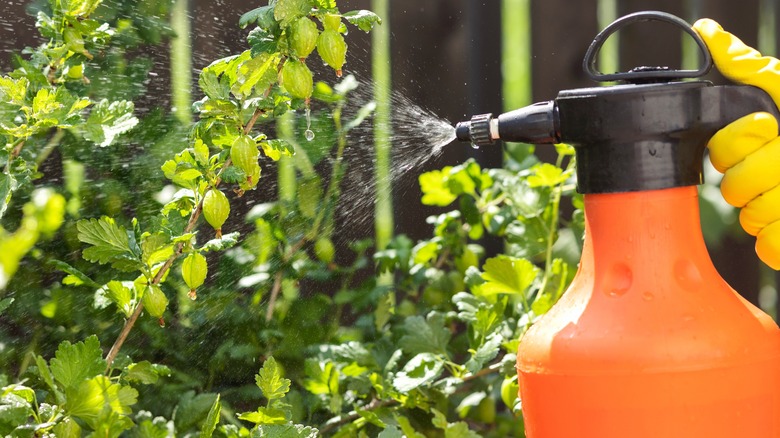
(123, 313)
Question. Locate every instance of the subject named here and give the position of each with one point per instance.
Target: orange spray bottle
(649, 340)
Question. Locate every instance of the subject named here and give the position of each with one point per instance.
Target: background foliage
(291, 334)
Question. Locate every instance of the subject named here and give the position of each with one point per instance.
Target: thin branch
(269, 313)
(353, 415)
(120, 340)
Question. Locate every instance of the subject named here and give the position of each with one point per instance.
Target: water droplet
(648, 296)
(619, 280)
(309, 134)
(474, 145)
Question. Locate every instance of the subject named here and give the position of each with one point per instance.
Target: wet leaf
(424, 368)
(288, 10)
(210, 423)
(363, 19)
(107, 120)
(110, 243)
(74, 363)
(269, 379)
(265, 416)
(263, 16)
(285, 431)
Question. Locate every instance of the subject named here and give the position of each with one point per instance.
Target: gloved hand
(747, 151)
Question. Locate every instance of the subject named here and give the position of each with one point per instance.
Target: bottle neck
(648, 233)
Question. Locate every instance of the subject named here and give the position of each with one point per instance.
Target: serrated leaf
(434, 188)
(107, 120)
(110, 243)
(210, 423)
(120, 293)
(45, 373)
(276, 148)
(262, 41)
(265, 416)
(364, 20)
(211, 85)
(227, 241)
(8, 185)
(269, 379)
(546, 175)
(97, 397)
(424, 368)
(74, 363)
(263, 16)
(80, 8)
(508, 275)
(258, 73)
(425, 335)
(285, 431)
(485, 353)
(288, 10)
(145, 372)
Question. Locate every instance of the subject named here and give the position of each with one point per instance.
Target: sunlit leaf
(270, 380)
(285, 431)
(424, 368)
(210, 423)
(73, 363)
(265, 416)
(107, 120)
(288, 10)
(508, 275)
(263, 16)
(364, 20)
(434, 188)
(110, 243)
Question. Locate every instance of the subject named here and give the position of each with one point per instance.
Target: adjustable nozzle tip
(462, 131)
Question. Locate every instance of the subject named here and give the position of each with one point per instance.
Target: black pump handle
(644, 75)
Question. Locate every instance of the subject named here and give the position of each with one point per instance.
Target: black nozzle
(476, 130)
(532, 124)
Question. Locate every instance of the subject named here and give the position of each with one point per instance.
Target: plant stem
(112, 353)
(382, 125)
(353, 415)
(53, 142)
(181, 62)
(269, 313)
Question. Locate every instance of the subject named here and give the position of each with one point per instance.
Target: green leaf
(391, 432)
(364, 20)
(13, 91)
(508, 275)
(99, 398)
(210, 423)
(15, 412)
(270, 380)
(287, 11)
(212, 86)
(265, 416)
(74, 363)
(107, 120)
(276, 148)
(45, 373)
(227, 241)
(454, 430)
(156, 248)
(325, 4)
(8, 185)
(424, 368)
(425, 335)
(80, 8)
(263, 16)
(285, 431)
(262, 41)
(5, 303)
(322, 378)
(67, 428)
(485, 353)
(75, 277)
(121, 294)
(258, 73)
(146, 372)
(110, 243)
(546, 175)
(434, 188)
(192, 409)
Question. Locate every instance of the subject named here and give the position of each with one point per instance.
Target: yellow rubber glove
(747, 151)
